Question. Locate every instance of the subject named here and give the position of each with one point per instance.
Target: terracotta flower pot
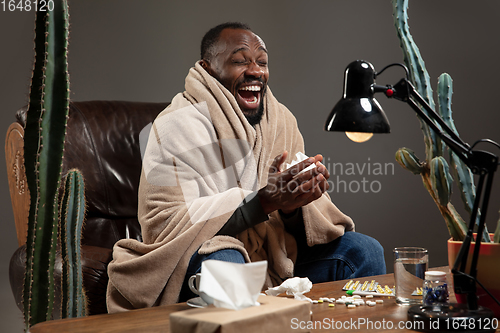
(488, 271)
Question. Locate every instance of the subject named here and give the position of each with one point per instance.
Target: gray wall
(141, 51)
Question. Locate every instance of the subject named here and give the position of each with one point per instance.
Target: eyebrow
(246, 48)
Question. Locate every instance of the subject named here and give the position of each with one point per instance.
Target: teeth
(251, 88)
(253, 101)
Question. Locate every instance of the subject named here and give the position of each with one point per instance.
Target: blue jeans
(353, 255)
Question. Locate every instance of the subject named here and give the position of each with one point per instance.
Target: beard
(256, 118)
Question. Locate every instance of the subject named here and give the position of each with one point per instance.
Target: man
(215, 185)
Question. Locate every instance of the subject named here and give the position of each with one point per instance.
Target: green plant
(435, 172)
(73, 299)
(45, 131)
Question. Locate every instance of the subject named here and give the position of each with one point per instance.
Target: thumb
(277, 162)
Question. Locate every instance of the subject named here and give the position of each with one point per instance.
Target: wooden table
(382, 316)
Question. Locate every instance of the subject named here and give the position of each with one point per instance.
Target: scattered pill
(340, 301)
(356, 296)
(351, 306)
(331, 305)
(379, 301)
(320, 301)
(371, 303)
(315, 301)
(369, 296)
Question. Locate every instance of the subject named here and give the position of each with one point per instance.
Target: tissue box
(274, 314)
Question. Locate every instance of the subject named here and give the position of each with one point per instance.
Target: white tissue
(299, 157)
(294, 286)
(231, 285)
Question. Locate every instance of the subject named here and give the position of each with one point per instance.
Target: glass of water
(410, 264)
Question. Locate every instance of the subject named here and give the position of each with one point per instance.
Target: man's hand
(290, 189)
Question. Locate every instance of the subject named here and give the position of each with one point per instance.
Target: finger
(324, 186)
(318, 158)
(277, 162)
(308, 197)
(322, 169)
(306, 176)
(318, 169)
(307, 186)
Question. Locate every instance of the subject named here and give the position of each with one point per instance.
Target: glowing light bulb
(358, 136)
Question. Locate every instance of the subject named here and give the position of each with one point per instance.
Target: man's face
(240, 64)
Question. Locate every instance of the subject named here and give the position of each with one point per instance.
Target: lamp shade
(358, 111)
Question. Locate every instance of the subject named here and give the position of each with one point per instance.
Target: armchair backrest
(102, 141)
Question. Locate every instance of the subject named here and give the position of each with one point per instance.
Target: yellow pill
(355, 285)
(372, 285)
(320, 301)
(348, 284)
(331, 305)
(365, 284)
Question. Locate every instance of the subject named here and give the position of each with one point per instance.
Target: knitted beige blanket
(202, 160)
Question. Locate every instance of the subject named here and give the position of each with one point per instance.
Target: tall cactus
(434, 170)
(418, 73)
(73, 299)
(43, 148)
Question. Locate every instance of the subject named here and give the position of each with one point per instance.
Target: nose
(254, 70)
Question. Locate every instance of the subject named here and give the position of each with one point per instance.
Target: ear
(206, 65)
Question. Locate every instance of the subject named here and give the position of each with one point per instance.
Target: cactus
(45, 131)
(461, 172)
(73, 299)
(418, 73)
(434, 171)
(408, 160)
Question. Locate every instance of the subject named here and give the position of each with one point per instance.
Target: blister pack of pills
(369, 286)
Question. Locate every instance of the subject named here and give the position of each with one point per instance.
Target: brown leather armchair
(102, 141)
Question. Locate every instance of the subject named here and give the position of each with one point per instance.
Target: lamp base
(453, 317)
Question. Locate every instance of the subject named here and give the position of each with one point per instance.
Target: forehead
(234, 40)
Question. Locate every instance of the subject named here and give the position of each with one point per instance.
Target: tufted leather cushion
(102, 141)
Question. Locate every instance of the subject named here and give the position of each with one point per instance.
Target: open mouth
(248, 97)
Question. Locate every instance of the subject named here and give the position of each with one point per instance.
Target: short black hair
(212, 36)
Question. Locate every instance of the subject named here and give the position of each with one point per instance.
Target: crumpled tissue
(299, 157)
(232, 285)
(294, 286)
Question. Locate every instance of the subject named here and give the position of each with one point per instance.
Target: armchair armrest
(19, 193)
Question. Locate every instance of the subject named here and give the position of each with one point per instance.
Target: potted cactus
(45, 132)
(437, 175)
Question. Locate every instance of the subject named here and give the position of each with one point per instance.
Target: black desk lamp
(359, 114)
